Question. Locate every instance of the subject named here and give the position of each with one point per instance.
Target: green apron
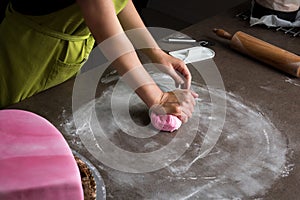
(39, 52)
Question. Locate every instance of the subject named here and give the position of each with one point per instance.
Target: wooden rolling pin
(263, 51)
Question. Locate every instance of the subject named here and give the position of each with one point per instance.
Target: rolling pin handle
(222, 33)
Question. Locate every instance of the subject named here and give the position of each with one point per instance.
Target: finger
(193, 102)
(184, 97)
(187, 80)
(192, 98)
(183, 118)
(187, 108)
(187, 84)
(194, 94)
(187, 113)
(189, 101)
(184, 71)
(176, 77)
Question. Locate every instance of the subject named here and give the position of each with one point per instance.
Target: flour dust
(250, 155)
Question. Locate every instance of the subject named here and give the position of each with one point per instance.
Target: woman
(44, 43)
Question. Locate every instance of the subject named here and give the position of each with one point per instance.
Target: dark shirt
(3, 5)
(39, 7)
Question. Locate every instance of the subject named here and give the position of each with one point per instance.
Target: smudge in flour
(247, 159)
(287, 170)
(151, 145)
(291, 81)
(289, 166)
(268, 88)
(110, 77)
(267, 140)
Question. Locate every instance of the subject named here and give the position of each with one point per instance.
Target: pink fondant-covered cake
(35, 160)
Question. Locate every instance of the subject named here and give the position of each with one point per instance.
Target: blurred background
(178, 14)
(173, 14)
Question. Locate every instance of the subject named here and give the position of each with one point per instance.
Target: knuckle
(177, 109)
(182, 63)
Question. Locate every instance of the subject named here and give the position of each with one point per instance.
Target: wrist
(151, 94)
(153, 53)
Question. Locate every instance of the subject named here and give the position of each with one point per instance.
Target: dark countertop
(276, 95)
(268, 88)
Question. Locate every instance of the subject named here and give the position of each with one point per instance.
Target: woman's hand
(172, 66)
(179, 102)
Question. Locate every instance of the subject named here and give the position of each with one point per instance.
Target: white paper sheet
(193, 54)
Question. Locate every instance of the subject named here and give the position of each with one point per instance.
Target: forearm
(100, 17)
(143, 40)
(137, 31)
(103, 23)
(138, 79)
